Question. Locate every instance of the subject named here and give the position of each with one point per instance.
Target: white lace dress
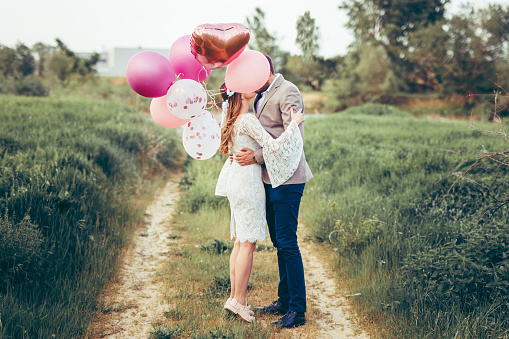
(243, 185)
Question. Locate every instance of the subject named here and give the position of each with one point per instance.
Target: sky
(98, 25)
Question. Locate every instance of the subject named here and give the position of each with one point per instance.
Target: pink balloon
(186, 66)
(150, 74)
(162, 115)
(248, 73)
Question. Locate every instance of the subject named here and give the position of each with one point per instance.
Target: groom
(272, 106)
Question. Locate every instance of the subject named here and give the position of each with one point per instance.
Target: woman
(244, 187)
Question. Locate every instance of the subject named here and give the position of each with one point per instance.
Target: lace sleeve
(282, 155)
(252, 127)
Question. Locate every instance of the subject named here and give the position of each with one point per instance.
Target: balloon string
(201, 69)
(212, 94)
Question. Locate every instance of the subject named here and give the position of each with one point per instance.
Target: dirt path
(134, 299)
(336, 319)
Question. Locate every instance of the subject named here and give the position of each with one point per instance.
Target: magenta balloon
(162, 115)
(150, 74)
(184, 62)
(248, 73)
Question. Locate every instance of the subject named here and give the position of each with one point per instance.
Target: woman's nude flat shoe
(240, 310)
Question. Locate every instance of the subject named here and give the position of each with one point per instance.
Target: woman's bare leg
(233, 259)
(243, 266)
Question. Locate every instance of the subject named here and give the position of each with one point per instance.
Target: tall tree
(16, 62)
(307, 36)
(262, 40)
(64, 50)
(464, 54)
(390, 23)
(26, 61)
(42, 51)
(64, 63)
(8, 61)
(61, 66)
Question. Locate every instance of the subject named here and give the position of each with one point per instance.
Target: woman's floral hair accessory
(229, 93)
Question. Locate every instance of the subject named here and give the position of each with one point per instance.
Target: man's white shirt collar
(268, 89)
(264, 93)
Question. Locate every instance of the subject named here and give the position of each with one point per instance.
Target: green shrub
(32, 86)
(353, 238)
(26, 86)
(469, 272)
(163, 332)
(217, 333)
(217, 246)
(21, 248)
(7, 85)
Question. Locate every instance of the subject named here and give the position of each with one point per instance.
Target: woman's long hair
(233, 112)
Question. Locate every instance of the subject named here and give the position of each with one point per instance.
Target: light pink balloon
(202, 136)
(162, 115)
(184, 62)
(150, 74)
(248, 72)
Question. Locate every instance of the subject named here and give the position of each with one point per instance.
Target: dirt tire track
(337, 320)
(134, 298)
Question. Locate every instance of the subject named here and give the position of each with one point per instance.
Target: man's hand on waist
(245, 157)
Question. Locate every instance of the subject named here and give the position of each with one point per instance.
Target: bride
(244, 188)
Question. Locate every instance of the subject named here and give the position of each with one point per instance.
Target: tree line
(402, 47)
(33, 71)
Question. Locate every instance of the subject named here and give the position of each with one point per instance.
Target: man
(272, 107)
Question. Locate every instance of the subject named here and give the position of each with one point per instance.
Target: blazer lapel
(258, 96)
(269, 95)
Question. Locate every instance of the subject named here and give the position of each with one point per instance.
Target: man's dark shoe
(291, 319)
(275, 308)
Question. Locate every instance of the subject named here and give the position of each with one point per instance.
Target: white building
(113, 62)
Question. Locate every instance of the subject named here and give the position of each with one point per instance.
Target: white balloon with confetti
(202, 136)
(186, 99)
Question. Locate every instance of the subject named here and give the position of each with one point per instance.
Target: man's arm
(292, 98)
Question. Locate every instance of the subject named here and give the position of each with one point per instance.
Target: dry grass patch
(196, 282)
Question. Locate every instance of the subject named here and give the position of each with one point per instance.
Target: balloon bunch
(174, 83)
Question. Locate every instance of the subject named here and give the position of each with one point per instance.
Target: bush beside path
(72, 171)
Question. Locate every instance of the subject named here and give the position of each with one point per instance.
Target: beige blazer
(274, 115)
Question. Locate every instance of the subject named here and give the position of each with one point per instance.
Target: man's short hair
(270, 64)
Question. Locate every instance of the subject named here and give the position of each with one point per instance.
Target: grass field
(426, 264)
(69, 169)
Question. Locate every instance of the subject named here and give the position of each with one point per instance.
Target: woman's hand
(298, 116)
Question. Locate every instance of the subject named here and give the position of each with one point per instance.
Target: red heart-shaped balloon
(216, 45)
